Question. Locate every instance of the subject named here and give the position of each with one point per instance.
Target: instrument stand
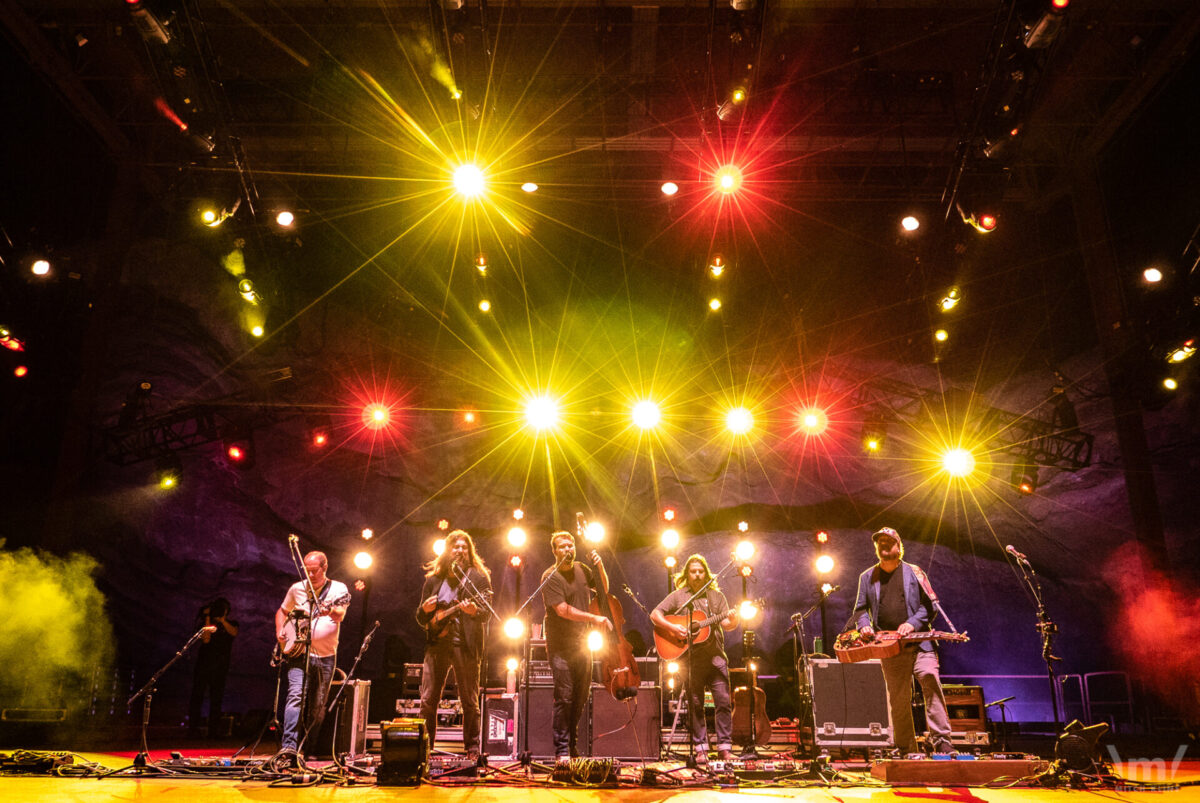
(689, 607)
(141, 761)
(750, 750)
(1046, 629)
(801, 657)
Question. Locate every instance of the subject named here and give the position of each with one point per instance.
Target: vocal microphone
(209, 629)
(293, 537)
(1012, 550)
(796, 617)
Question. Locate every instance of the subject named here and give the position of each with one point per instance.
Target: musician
(895, 595)
(333, 598)
(568, 586)
(212, 664)
(707, 660)
(455, 640)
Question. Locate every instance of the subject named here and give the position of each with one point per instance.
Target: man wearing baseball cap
(895, 595)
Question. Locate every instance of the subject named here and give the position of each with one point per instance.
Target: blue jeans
(572, 686)
(320, 673)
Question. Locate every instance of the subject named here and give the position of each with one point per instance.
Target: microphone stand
(800, 656)
(1003, 720)
(366, 642)
(142, 760)
(1046, 629)
(527, 656)
(480, 600)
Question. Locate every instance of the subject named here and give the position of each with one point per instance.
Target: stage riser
(955, 773)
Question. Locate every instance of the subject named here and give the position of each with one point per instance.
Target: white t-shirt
(324, 629)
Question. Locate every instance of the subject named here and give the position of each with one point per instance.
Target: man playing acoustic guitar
(453, 622)
(708, 660)
(895, 595)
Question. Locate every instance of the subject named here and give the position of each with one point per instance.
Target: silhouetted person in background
(212, 665)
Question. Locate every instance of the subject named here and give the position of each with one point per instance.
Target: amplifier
(630, 729)
(964, 704)
(850, 706)
(539, 673)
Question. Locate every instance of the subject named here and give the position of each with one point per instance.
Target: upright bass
(618, 666)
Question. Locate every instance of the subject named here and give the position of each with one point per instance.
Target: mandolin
(441, 618)
(852, 646)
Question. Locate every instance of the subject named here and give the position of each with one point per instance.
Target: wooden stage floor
(184, 780)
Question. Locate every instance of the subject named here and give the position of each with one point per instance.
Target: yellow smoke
(56, 635)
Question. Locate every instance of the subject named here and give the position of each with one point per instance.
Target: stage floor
(179, 781)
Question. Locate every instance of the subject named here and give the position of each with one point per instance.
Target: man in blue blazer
(894, 595)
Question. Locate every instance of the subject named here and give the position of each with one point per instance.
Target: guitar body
(743, 709)
(297, 633)
(668, 646)
(852, 647)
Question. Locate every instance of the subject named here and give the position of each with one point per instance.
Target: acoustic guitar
(852, 647)
(670, 646)
(750, 704)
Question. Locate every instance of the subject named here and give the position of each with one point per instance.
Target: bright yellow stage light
(910, 223)
(672, 668)
(714, 304)
(646, 414)
(439, 546)
(541, 412)
(670, 539)
(813, 421)
(514, 628)
(529, 186)
(1170, 383)
(40, 267)
(168, 481)
(747, 610)
(363, 561)
(257, 330)
(518, 514)
(739, 421)
(744, 551)
(670, 562)
(1183, 352)
(941, 335)
(285, 218)
(595, 640)
(469, 181)
(824, 564)
(951, 299)
(958, 462)
(594, 532)
(516, 537)
(511, 664)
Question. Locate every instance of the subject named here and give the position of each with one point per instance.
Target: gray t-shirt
(710, 604)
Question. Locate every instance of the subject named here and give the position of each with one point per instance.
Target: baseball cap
(882, 531)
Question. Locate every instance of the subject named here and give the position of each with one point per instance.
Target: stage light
(257, 330)
(485, 305)
(363, 561)
(668, 514)
(529, 186)
(672, 668)
(716, 266)
(646, 414)
(820, 537)
(1152, 275)
(469, 181)
(376, 416)
(728, 178)
(874, 434)
(983, 222)
(515, 561)
(827, 588)
(744, 550)
(746, 570)
(239, 447)
(247, 291)
(950, 300)
(439, 546)
(958, 462)
(319, 439)
(594, 532)
(512, 664)
(747, 610)
(739, 421)
(1170, 383)
(1025, 478)
(669, 188)
(469, 417)
(670, 562)
(285, 219)
(443, 524)
(595, 640)
(813, 421)
(516, 537)
(236, 452)
(514, 628)
(714, 304)
(213, 217)
(541, 412)
(168, 471)
(941, 335)
(669, 539)
(40, 267)
(20, 371)
(743, 526)
(481, 262)
(824, 564)
(1182, 352)
(910, 223)
(518, 514)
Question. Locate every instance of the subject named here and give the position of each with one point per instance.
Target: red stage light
(320, 439)
(1025, 487)
(668, 514)
(376, 416)
(821, 537)
(20, 371)
(1060, 4)
(236, 452)
(987, 222)
(515, 561)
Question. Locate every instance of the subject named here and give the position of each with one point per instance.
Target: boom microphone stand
(142, 760)
(480, 600)
(1045, 627)
(527, 656)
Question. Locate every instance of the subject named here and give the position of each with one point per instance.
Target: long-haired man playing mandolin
(896, 595)
(566, 591)
(453, 622)
(708, 659)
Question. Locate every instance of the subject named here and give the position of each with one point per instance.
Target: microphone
(1012, 550)
(293, 537)
(796, 617)
(998, 702)
(209, 629)
(829, 593)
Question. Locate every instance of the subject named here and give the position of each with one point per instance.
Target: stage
(214, 774)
